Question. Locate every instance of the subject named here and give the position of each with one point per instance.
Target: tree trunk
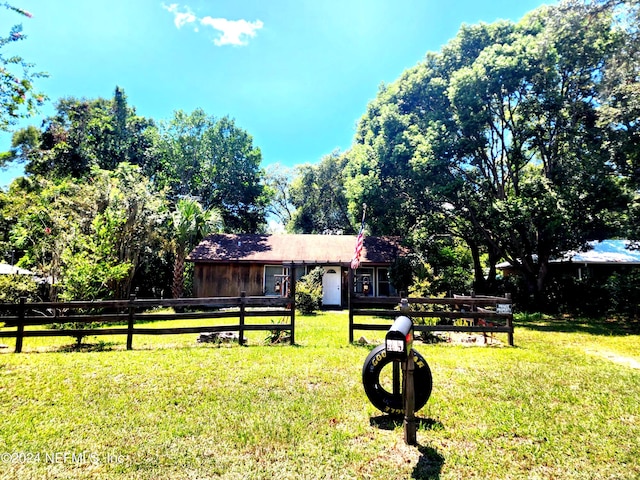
(479, 282)
(177, 288)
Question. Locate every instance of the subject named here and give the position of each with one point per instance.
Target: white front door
(332, 286)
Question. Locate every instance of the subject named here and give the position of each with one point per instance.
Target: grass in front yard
(548, 408)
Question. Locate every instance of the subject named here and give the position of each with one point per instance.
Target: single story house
(226, 264)
(601, 259)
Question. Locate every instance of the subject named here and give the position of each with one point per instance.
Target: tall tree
(496, 138)
(318, 193)
(191, 223)
(620, 111)
(278, 179)
(85, 134)
(216, 162)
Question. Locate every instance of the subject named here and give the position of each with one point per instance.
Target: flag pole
(364, 213)
(355, 261)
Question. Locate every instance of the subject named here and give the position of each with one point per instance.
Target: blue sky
(297, 75)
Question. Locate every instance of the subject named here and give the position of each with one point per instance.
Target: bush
(12, 287)
(623, 289)
(309, 291)
(589, 296)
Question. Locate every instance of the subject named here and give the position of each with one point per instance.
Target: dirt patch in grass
(615, 358)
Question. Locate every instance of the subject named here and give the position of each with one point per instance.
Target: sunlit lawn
(555, 406)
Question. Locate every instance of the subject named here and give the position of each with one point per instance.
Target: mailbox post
(409, 423)
(398, 345)
(416, 379)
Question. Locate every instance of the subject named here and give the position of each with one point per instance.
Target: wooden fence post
(243, 301)
(20, 331)
(130, 323)
(510, 322)
(293, 302)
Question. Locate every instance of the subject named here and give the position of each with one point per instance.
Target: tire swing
(384, 400)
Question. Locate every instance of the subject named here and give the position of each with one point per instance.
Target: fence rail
(132, 311)
(471, 314)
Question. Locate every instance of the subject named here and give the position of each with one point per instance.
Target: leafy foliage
(318, 194)
(18, 98)
(278, 182)
(86, 134)
(214, 161)
(88, 237)
(12, 287)
(309, 291)
(191, 223)
(496, 141)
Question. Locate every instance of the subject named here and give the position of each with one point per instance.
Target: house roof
(605, 252)
(320, 249)
(6, 269)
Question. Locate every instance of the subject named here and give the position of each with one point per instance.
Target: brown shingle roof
(294, 248)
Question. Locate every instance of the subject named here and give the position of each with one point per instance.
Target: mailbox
(399, 338)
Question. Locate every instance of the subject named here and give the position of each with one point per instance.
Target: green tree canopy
(86, 134)
(88, 237)
(215, 161)
(496, 140)
(318, 193)
(278, 180)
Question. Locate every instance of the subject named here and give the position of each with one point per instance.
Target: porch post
(292, 290)
(350, 287)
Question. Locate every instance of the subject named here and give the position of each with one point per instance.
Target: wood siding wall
(213, 280)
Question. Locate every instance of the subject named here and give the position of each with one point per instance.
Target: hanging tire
(384, 400)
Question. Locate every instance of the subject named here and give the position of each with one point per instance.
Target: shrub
(12, 287)
(590, 296)
(623, 289)
(309, 291)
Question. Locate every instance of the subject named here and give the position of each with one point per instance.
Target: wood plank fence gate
(472, 314)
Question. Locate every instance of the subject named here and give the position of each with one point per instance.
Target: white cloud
(180, 18)
(232, 32)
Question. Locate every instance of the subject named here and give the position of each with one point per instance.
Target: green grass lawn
(557, 406)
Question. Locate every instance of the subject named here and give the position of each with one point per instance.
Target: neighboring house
(6, 269)
(227, 264)
(601, 260)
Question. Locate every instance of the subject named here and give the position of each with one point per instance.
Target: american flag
(355, 261)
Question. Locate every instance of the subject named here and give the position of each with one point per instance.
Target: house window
(385, 288)
(277, 278)
(363, 282)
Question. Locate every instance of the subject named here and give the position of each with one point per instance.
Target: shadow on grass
(391, 422)
(86, 347)
(567, 324)
(430, 462)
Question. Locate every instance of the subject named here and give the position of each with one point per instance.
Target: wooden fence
(473, 314)
(135, 310)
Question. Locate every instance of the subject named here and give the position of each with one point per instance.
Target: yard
(561, 404)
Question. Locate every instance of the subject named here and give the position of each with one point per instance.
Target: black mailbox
(399, 339)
